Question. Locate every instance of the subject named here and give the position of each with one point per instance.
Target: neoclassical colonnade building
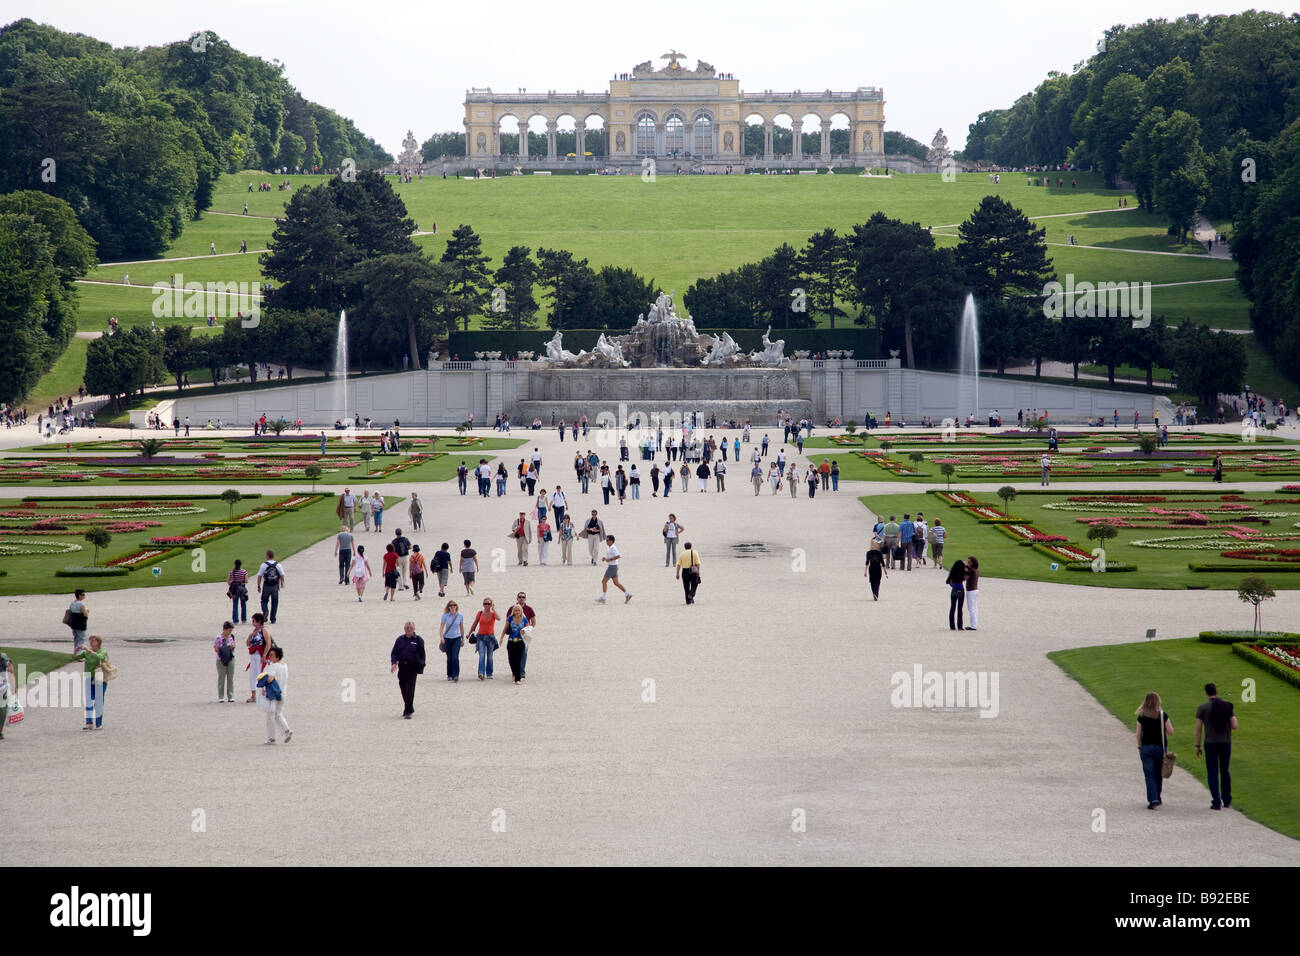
(677, 113)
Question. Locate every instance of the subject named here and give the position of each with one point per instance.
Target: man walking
(720, 473)
(688, 571)
(349, 502)
(559, 502)
(1216, 721)
(407, 660)
(270, 578)
(611, 572)
(522, 532)
(1045, 471)
(702, 472)
(402, 545)
(906, 531)
(462, 477)
(756, 477)
(441, 567)
(891, 531)
(537, 463)
(594, 532)
(343, 542)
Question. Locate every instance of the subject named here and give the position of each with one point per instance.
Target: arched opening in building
(811, 141)
(674, 136)
(782, 135)
(841, 134)
(754, 139)
(508, 136)
(645, 135)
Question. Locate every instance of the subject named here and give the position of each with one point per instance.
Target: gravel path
(650, 732)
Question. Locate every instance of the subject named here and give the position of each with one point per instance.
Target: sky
(407, 66)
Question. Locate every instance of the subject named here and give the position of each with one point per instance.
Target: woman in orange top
(484, 638)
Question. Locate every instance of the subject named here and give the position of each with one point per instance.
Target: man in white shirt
(558, 504)
(349, 508)
(611, 572)
(537, 462)
(922, 530)
(270, 579)
(1045, 467)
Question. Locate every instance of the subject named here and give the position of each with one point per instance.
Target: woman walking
(957, 582)
(360, 572)
(810, 476)
(668, 480)
(567, 534)
(634, 483)
(835, 475)
(542, 504)
(875, 567)
(484, 638)
(237, 591)
(367, 509)
(451, 631)
(77, 618)
(377, 510)
(544, 538)
(513, 633)
(686, 477)
(224, 648)
(391, 574)
(257, 642)
(672, 532)
(273, 683)
(774, 477)
(1218, 468)
(1153, 730)
(416, 513)
(972, 593)
(95, 658)
(501, 479)
(417, 571)
(468, 566)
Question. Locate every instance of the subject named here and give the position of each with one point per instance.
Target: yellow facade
(676, 113)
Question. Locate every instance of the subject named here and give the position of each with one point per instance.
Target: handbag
(1170, 758)
(15, 714)
(67, 617)
(109, 671)
(442, 646)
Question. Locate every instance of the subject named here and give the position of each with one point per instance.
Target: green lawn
(37, 661)
(287, 534)
(1003, 557)
(1266, 748)
(63, 378)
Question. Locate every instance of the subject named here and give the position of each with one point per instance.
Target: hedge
(1235, 637)
(509, 342)
(1271, 566)
(1110, 567)
(1276, 668)
(94, 497)
(1163, 492)
(92, 572)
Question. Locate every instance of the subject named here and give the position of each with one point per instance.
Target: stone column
(550, 140)
(796, 141)
(826, 141)
(767, 139)
(689, 145)
(660, 132)
(523, 142)
(581, 130)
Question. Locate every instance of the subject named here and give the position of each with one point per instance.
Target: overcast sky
(390, 67)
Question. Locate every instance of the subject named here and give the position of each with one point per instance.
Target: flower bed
(19, 547)
(142, 557)
(1278, 659)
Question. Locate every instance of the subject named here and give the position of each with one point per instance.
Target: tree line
(135, 139)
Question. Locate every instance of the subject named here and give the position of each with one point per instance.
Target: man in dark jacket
(402, 545)
(407, 662)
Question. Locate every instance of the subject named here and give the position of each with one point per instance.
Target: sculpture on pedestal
(555, 350)
(722, 350)
(773, 353)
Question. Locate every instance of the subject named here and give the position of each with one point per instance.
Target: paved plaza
(753, 727)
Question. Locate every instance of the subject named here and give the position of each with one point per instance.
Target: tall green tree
(1002, 253)
(515, 278)
(469, 279)
(824, 268)
(570, 283)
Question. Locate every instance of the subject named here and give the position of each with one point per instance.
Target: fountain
(341, 370)
(968, 361)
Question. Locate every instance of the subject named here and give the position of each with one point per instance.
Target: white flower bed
(16, 547)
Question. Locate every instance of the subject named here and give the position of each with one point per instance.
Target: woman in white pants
(277, 669)
(972, 593)
(367, 508)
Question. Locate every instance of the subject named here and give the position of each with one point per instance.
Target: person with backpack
(76, 617)
(417, 571)
(1216, 722)
(402, 547)
(462, 477)
(224, 647)
(257, 642)
(441, 567)
(270, 579)
(1153, 730)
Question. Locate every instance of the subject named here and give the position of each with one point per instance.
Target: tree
(231, 497)
(1102, 531)
(570, 282)
(1254, 590)
(467, 288)
(403, 302)
(916, 458)
(179, 354)
(149, 447)
(312, 473)
(124, 364)
(778, 280)
(1110, 124)
(620, 295)
(1002, 253)
(1147, 442)
(98, 538)
(1207, 363)
(515, 279)
(824, 267)
(1007, 494)
(948, 469)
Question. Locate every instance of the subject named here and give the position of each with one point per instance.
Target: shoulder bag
(109, 670)
(1167, 767)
